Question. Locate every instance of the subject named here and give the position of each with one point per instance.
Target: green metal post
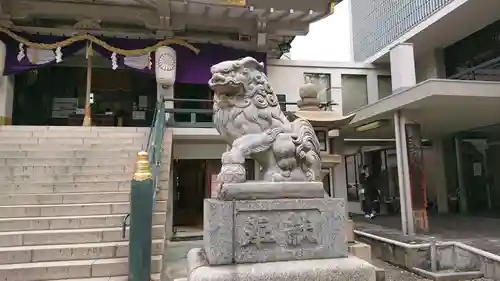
(141, 220)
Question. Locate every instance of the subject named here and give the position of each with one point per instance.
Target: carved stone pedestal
(275, 231)
(248, 231)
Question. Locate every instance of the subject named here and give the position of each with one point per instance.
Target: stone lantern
(323, 121)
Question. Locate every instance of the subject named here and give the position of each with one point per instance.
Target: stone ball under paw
(232, 173)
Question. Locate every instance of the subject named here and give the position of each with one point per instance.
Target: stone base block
(273, 230)
(339, 269)
(252, 190)
(349, 231)
(361, 250)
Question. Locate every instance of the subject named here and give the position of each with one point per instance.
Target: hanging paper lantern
(3, 52)
(165, 64)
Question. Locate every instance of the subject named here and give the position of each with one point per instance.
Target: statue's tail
(307, 148)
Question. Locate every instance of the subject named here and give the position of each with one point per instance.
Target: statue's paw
(232, 173)
(279, 178)
(286, 174)
(229, 158)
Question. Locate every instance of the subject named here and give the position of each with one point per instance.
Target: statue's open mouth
(224, 86)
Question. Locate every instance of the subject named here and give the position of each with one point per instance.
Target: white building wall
(430, 65)
(286, 77)
(198, 150)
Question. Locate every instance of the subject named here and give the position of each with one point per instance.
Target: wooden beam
(147, 3)
(148, 17)
(164, 12)
(21, 9)
(285, 5)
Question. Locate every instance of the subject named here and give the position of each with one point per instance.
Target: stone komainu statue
(249, 118)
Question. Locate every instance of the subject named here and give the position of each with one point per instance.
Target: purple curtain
(126, 44)
(192, 68)
(195, 69)
(14, 66)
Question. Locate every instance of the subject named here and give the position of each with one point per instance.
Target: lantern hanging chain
(91, 38)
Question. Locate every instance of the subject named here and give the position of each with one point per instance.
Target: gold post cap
(142, 171)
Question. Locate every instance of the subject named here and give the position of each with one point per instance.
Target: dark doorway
(475, 176)
(194, 179)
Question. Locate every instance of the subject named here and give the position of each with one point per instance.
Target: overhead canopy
(243, 24)
(440, 106)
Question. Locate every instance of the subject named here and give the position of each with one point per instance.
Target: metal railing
(144, 186)
(155, 140)
(197, 113)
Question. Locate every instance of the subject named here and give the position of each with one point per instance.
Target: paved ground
(176, 264)
(482, 233)
(393, 273)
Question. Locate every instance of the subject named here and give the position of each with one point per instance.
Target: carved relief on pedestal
(246, 231)
(299, 228)
(257, 231)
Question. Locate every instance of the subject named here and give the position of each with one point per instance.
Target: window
(354, 92)
(282, 101)
(352, 164)
(384, 86)
(323, 81)
(321, 135)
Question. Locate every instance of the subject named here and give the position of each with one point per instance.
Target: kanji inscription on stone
(257, 231)
(299, 228)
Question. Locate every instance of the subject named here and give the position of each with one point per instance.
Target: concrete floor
(176, 266)
(483, 233)
(479, 232)
(393, 273)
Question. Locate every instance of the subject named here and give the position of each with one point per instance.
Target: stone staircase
(64, 192)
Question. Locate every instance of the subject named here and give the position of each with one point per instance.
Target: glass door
(475, 175)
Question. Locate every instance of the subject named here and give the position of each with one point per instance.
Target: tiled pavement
(482, 233)
(479, 232)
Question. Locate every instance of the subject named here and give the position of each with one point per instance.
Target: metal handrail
(321, 105)
(144, 187)
(155, 141)
(191, 116)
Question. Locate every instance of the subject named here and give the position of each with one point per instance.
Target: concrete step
(69, 222)
(76, 177)
(63, 187)
(73, 129)
(43, 271)
(74, 140)
(360, 250)
(11, 154)
(67, 252)
(70, 198)
(69, 236)
(55, 210)
(80, 161)
(71, 134)
(154, 277)
(37, 170)
(65, 146)
(64, 198)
